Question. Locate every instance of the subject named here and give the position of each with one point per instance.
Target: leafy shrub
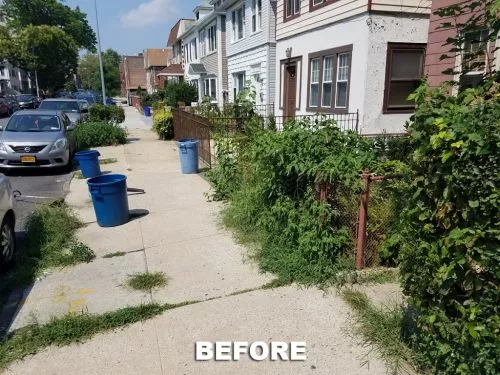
(163, 124)
(300, 237)
(180, 92)
(106, 113)
(451, 255)
(96, 134)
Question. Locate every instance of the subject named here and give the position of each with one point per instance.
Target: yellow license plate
(28, 159)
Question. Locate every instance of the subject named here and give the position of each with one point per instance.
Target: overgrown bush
(180, 92)
(106, 113)
(96, 134)
(163, 124)
(301, 238)
(451, 255)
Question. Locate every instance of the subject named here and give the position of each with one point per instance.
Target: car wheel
(7, 242)
(10, 112)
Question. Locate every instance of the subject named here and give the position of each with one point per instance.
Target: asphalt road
(37, 186)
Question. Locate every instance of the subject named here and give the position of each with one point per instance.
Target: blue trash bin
(147, 111)
(89, 163)
(109, 195)
(188, 152)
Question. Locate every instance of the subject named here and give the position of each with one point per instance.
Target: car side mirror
(1, 128)
(71, 127)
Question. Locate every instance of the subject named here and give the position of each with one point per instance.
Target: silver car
(8, 223)
(34, 138)
(71, 107)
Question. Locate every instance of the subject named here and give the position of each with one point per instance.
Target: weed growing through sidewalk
(79, 176)
(114, 255)
(50, 242)
(380, 330)
(147, 281)
(73, 328)
(108, 161)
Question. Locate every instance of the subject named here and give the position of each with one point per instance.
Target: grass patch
(108, 161)
(147, 281)
(380, 330)
(73, 328)
(50, 242)
(78, 175)
(114, 255)
(378, 276)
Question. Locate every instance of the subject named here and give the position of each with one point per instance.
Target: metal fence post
(363, 215)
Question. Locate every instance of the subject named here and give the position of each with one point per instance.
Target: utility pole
(100, 55)
(36, 82)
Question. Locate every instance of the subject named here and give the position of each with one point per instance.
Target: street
(36, 186)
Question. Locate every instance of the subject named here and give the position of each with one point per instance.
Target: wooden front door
(290, 90)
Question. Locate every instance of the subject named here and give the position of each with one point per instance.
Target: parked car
(4, 107)
(8, 217)
(27, 101)
(13, 104)
(69, 106)
(84, 105)
(35, 138)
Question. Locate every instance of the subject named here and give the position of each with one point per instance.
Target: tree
(88, 70)
(20, 14)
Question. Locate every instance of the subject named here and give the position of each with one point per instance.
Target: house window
(203, 43)
(238, 22)
(316, 4)
(194, 49)
(194, 83)
(329, 80)
(256, 15)
(211, 89)
(238, 83)
(212, 39)
(405, 64)
(292, 9)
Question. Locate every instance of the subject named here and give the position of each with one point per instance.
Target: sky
(130, 26)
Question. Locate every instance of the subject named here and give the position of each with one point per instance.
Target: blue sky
(130, 26)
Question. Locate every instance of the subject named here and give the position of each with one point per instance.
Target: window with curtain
(405, 64)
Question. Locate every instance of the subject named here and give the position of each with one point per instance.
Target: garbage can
(89, 163)
(147, 111)
(188, 152)
(109, 195)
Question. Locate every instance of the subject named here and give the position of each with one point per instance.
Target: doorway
(290, 96)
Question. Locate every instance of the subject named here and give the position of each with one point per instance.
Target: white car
(7, 234)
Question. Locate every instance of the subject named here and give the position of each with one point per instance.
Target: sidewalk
(174, 230)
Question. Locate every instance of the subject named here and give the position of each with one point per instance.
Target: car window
(33, 123)
(68, 106)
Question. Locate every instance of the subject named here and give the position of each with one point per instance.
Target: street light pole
(100, 55)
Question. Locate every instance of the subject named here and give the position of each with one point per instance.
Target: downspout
(369, 6)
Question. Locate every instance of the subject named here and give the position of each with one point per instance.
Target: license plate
(28, 159)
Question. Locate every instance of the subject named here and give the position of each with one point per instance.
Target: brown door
(290, 90)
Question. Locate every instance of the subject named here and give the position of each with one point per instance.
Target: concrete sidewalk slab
(96, 287)
(203, 268)
(283, 314)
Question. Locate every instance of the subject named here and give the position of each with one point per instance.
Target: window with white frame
(194, 49)
(292, 8)
(238, 83)
(256, 15)
(212, 38)
(343, 64)
(314, 83)
(210, 88)
(326, 98)
(475, 51)
(194, 83)
(238, 24)
(203, 44)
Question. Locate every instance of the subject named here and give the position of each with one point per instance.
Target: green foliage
(380, 329)
(147, 281)
(450, 259)
(97, 134)
(271, 179)
(163, 124)
(106, 113)
(90, 76)
(180, 92)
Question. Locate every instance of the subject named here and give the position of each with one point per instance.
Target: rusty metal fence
(189, 125)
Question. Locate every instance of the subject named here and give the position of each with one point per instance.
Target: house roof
(178, 28)
(135, 74)
(172, 70)
(156, 57)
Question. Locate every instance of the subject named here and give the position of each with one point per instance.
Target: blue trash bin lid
(187, 142)
(106, 180)
(87, 154)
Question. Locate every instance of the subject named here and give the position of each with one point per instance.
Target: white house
(344, 56)
(251, 46)
(14, 80)
(204, 51)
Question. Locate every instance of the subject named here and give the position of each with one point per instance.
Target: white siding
(384, 29)
(405, 6)
(252, 62)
